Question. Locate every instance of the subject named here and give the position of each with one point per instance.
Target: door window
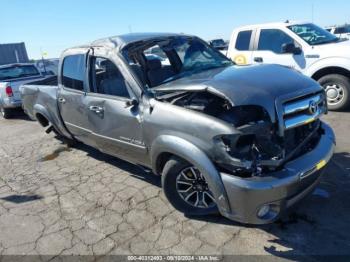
(73, 72)
(243, 40)
(273, 39)
(107, 79)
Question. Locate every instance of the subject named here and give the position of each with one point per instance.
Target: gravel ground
(56, 200)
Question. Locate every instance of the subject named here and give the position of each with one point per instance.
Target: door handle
(96, 109)
(61, 100)
(258, 59)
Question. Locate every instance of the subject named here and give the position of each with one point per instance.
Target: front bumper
(278, 190)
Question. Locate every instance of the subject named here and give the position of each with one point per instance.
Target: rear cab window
(73, 72)
(243, 40)
(18, 71)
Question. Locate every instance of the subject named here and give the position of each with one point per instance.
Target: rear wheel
(5, 112)
(186, 188)
(337, 88)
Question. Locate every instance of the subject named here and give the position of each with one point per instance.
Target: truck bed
(41, 96)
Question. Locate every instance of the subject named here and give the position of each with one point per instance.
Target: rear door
(71, 97)
(113, 111)
(268, 49)
(242, 47)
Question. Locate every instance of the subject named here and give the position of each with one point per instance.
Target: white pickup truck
(304, 47)
(12, 76)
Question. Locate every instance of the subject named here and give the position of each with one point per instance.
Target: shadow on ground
(18, 114)
(19, 199)
(134, 170)
(318, 225)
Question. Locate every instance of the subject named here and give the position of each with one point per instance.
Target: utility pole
(42, 59)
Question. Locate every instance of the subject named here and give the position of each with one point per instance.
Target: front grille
(295, 137)
(303, 110)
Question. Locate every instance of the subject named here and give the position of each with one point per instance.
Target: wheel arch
(330, 70)
(166, 146)
(45, 118)
(41, 114)
(43, 121)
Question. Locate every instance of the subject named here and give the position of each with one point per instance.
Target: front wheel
(186, 188)
(337, 88)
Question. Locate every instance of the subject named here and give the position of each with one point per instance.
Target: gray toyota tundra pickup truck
(245, 141)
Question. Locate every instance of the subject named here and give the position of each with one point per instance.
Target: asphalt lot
(57, 200)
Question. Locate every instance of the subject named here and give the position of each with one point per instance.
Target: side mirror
(131, 103)
(290, 48)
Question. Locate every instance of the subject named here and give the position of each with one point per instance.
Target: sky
(54, 25)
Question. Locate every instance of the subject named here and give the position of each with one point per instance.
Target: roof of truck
(120, 41)
(274, 25)
(125, 39)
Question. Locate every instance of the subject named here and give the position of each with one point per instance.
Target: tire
(170, 176)
(5, 112)
(337, 88)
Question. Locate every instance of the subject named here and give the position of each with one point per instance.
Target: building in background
(13, 53)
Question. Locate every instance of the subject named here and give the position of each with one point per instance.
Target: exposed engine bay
(256, 148)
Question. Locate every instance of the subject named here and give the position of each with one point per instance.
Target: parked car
(48, 66)
(219, 44)
(342, 31)
(11, 77)
(245, 141)
(304, 47)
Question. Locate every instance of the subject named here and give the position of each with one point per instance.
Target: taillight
(9, 91)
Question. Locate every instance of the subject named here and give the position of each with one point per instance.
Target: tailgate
(17, 83)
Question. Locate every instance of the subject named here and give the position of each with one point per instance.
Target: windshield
(313, 35)
(184, 56)
(17, 71)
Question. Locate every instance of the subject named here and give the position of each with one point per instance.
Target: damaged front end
(258, 146)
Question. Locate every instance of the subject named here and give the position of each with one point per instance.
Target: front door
(268, 49)
(113, 111)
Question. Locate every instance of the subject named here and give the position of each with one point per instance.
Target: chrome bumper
(280, 189)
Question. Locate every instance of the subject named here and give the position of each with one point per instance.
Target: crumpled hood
(247, 85)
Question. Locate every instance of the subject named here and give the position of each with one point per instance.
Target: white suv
(302, 46)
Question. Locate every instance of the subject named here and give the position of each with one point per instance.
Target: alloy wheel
(193, 188)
